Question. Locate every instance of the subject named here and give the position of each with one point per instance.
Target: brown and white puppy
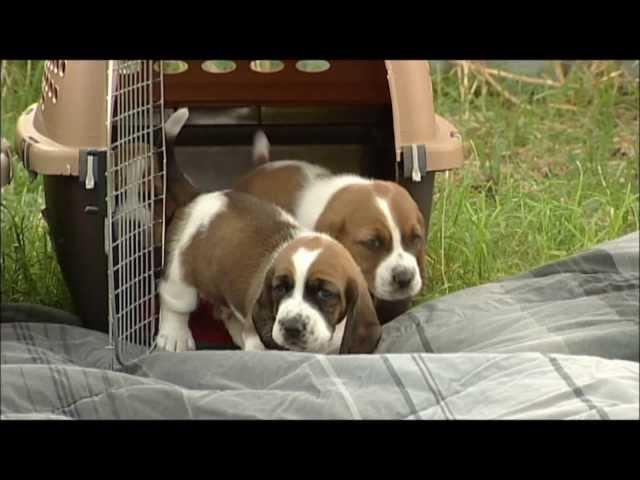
(283, 287)
(377, 221)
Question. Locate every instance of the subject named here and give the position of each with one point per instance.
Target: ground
(549, 170)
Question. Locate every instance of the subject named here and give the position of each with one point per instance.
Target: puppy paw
(175, 339)
(253, 343)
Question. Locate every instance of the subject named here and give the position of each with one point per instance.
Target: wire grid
(135, 204)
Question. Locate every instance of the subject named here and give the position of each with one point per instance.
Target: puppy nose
(293, 327)
(403, 277)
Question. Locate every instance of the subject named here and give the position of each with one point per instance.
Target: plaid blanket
(560, 342)
(583, 305)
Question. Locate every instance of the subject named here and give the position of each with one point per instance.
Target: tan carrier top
(72, 113)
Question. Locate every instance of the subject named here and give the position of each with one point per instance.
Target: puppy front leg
(242, 331)
(250, 338)
(177, 301)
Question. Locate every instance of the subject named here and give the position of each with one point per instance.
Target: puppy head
(383, 229)
(315, 299)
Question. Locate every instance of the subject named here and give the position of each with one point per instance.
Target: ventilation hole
(266, 66)
(63, 67)
(313, 66)
(42, 102)
(55, 94)
(171, 67)
(55, 67)
(50, 88)
(219, 66)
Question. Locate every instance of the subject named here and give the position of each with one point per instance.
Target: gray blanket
(560, 342)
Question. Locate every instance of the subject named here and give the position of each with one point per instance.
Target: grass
(549, 171)
(28, 265)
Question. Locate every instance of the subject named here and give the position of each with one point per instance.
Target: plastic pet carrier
(97, 137)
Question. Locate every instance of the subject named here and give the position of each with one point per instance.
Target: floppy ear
(363, 330)
(263, 314)
(333, 225)
(388, 310)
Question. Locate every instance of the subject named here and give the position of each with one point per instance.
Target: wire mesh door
(135, 204)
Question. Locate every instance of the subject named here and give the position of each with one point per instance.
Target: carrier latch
(88, 167)
(91, 172)
(414, 161)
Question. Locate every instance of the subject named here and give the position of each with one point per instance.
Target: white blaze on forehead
(314, 198)
(398, 258)
(396, 237)
(302, 261)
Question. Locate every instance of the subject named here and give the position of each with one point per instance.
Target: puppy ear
(263, 314)
(333, 225)
(362, 331)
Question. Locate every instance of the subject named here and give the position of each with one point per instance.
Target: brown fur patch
(223, 260)
(278, 185)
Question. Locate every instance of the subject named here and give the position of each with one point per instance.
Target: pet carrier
(97, 136)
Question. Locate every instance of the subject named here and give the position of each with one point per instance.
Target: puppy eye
(416, 237)
(280, 289)
(373, 243)
(323, 294)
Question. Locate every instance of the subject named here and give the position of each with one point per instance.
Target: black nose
(293, 327)
(403, 277)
